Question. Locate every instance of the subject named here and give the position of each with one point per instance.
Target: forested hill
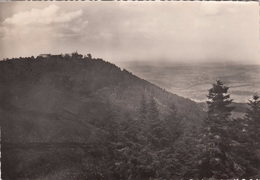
(53, 84)
(75, 117)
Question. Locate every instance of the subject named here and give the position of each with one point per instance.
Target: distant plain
(193, 81)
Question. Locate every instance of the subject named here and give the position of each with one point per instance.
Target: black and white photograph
(129, 90)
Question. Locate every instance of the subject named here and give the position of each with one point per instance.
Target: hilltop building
(74, 54)
(45, 55)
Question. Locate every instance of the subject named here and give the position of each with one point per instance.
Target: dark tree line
(230, 148)
(153, 146)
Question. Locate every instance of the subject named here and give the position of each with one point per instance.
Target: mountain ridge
(68, 100)
(45, 76)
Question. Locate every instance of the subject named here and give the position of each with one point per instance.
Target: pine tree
(153, 112)
(129, 128)
(112, 129)
(253, 118)
(219, 100)
(111, 125)
(155, 125)
(215, 160)
(251, 148)
(142, 124)
(143, 109)
(174, 124)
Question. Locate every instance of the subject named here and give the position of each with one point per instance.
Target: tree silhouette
(253, 113)
(216, 161)
(174, 124)
(143, 109)
(219, 100)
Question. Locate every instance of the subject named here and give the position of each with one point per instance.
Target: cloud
(123, 31)
(48, 22)
(46, 16)
(38, 30)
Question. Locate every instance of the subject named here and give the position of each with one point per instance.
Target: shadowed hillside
(52, 85)
(64, 99)
(69, 117)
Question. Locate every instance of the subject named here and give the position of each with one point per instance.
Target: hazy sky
(123, 31)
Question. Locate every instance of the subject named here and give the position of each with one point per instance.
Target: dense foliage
(91, 120)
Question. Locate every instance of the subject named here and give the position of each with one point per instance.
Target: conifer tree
(251, 146)
(219, 100)
(245, 139)
(155, 125)
(216, 159)
(129, 128)
(253, 118)
(153, 112)
(142, 123)
(174, 124)
(112, 139)
(143, 109)
(111, 125)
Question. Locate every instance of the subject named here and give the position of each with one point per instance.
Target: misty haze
(129, 90)
(193, 80)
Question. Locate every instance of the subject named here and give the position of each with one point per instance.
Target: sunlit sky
(133, 31)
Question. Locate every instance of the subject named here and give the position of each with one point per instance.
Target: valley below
(193, 80)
